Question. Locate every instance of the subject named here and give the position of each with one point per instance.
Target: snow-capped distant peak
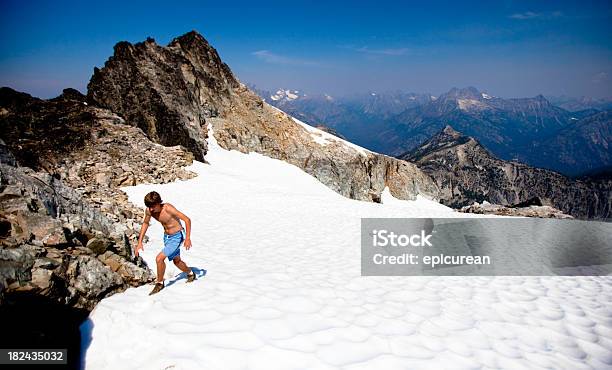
(373, 94)
(282, 94)
(328, 97)
(290, 95)
(433, 97)
(486, 96)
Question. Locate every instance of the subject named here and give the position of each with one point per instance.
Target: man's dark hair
(152, 199)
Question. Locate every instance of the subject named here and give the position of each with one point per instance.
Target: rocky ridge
(209, 93)
(168, 92)
(68, 229)
(486, 208)
(466, 173)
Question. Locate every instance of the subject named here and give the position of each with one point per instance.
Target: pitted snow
(283, 290)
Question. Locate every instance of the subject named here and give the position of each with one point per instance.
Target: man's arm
(143, 231)
(175, 212)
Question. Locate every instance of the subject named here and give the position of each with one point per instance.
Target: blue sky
(508, 48)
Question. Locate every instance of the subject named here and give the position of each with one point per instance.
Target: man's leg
(161, 266)
(181, 265)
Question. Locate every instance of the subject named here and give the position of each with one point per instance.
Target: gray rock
(98, 245)
(15, 266)
(41, 250)
(6, 156)
(41, 278)
(530, 211)
(91, 278)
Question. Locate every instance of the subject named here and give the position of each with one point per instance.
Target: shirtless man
(174, 235)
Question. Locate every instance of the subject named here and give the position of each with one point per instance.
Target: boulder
(99, 245)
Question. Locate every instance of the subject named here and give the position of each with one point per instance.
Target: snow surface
(278, 259)
(287, 94)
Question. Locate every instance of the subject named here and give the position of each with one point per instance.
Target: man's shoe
(158, 287)
(191, 277)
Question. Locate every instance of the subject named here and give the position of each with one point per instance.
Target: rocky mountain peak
(169, 91)
(449, 135)
(190, 37)
(542, 101)
(71, 94)
(466, 173)
(463, 93)
(537, 103)
(197, 49)
(450, 131)
(447, 138)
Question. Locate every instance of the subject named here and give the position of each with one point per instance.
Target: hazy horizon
(508, 49)
(397, 90)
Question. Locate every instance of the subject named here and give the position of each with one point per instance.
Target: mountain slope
(139, 82)
(504, 126)
(357, 117)
(580, 104)
(279, 287)
(466, 172)
(513, 129)
(582, 146)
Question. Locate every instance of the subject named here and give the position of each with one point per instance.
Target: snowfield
(278, 261)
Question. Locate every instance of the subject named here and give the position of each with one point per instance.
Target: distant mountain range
(580, 104)
(531, 130)
(466, 173)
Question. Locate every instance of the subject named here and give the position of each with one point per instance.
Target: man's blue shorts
(172, 244)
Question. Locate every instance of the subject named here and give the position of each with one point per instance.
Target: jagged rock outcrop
(168, 92)
(47, 232)
(68, 231)
(139, 82)
(486, 208)
(466, 173)
(90, 149)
